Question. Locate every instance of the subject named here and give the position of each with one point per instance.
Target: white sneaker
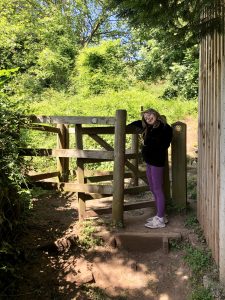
(151, 219)
(156, 223)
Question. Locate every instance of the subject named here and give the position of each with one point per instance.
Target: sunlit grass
(61, 103)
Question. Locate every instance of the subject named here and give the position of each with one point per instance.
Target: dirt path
(66, 271)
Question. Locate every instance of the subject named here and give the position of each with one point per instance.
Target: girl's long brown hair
(160, 118)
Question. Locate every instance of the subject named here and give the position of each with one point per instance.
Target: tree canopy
(179, 17)
(45, 41)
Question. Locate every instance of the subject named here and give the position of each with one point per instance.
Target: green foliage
(192, 222)
(201, 293)
(158, 59)
(177, 18)
(14, 199)
(101, 68)
(6, 75)
(192, 186)
(183, 77)
(9, 256)
(96, 293)
(198, 260)
(151, 66)
(40, 41)
(106, 104)
(42, 38)
(87, 236)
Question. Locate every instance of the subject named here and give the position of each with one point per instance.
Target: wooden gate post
(80, 172)
(166, 180)
(179, 165)
(119, 167)
(63, 143)
(134, 147)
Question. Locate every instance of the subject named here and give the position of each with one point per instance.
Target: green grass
(87, 235)
(201, 293)
(61, 103)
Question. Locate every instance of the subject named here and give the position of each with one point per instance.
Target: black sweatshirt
(156, 142)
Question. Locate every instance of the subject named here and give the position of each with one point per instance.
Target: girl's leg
(149, 177)
(157, 187)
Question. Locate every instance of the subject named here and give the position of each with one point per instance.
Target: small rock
(207, 282)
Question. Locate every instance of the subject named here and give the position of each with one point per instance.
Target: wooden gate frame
(121, 156)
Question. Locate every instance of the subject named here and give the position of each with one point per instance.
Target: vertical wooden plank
(166, 180)
(210, 149)
(204, 166)
(134, 147)
(200, 128)
(80, 172)
(213, 134)
(63, 143)
(119, 166)
(222, 165)
(217, 141)
(166, 177)
(220, 104)
(206, 111)
(179, 165)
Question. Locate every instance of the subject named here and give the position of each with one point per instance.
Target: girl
(157, 136)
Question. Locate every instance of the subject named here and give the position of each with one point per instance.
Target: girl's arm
(136, 125)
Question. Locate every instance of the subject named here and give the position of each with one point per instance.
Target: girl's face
(150, 118)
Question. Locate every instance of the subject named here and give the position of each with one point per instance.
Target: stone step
(139, 241)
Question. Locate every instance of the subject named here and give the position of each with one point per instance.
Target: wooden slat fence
(210, 138)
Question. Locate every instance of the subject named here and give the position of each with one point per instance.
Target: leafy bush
(14, 199)
(100, 68)
(151, 65)
(183, 77)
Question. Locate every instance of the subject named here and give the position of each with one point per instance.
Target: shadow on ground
(55, 266)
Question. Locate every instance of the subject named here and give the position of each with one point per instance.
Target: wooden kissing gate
(126, 161)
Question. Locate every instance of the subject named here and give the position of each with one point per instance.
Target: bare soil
(55, 266)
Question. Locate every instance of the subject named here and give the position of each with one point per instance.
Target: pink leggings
(155, 181)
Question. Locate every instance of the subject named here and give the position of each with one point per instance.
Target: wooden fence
(211, 145)
(126, 161)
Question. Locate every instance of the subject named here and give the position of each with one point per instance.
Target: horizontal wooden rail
(95, 154)
(43, 176)
(73, 120)
(93, 196)
(75, 187)
(126, 207)
(136, 189)
(106, 177)
(44, 128)
(102, 130)
(95, 130)
(87, 188)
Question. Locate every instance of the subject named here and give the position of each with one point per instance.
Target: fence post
(134, 147)
(63, 143)
(80, 172)
(166, 180)
(179, 165)
(119, 167)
